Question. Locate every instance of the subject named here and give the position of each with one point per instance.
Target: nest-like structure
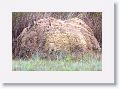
(52, 38)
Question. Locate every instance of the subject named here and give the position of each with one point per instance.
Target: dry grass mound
(53, 38)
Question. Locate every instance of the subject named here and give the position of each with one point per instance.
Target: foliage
(20, 20)
(86, 63)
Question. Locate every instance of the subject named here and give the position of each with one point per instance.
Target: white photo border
(104, 76)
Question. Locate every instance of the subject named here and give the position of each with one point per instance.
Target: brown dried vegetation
(49, 37)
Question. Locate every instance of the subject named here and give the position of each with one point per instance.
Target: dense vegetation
(69, 52)
(86, 63)
(20, 20)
